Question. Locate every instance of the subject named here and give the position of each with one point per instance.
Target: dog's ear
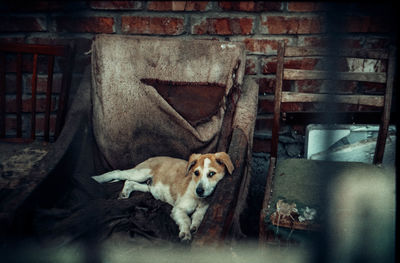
(223, 158)
(192, 161)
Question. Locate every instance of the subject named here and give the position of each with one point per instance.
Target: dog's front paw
(185, 236)
(123, 195)
(193, 229)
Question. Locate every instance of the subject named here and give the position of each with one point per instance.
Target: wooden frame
(51, 51)
(293, 74)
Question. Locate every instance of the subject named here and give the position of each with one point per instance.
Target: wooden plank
(292, 51)
(2, 95)
(33, 99)
(50, 68)
(367, 100)
(361, 117)
(33, 48)
(300, 74)
(384, 126)
(19, 95)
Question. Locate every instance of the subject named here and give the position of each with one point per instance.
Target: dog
(184, 185)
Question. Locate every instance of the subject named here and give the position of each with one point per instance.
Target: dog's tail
(137, 175)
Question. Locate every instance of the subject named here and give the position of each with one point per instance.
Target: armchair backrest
(158, 96)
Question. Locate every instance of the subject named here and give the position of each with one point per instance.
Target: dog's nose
(200, 191)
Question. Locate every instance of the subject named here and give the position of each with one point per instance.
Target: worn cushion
(147, 95)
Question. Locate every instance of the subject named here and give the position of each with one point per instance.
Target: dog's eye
(211, 174)
(196, 173)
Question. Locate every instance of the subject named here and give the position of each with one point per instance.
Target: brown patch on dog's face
(207, 170)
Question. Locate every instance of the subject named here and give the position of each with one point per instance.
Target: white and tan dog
(182, 184)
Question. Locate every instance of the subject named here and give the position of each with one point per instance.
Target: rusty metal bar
(50, 70)
(274, 140)
(277, 99)
(33, 99)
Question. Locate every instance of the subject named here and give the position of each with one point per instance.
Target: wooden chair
(281, 97)
(18, 51)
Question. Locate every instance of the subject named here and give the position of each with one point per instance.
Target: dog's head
(207, 170)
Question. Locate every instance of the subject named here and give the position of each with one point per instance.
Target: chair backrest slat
(50, 69)
(2, 94)
(354, 53)
(301, 74)
(366, 100)
(19, 95)
(33, 98)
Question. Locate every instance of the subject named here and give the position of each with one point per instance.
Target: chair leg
(267, 194)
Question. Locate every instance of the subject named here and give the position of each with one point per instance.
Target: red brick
(367, 24)
(116, 5)
(11, 125)
(265, 104)
(93, 24)
(309, 85)
(10, 83)
(223, 26)
(269, 64)
(22, 24)
(152, 25)
(40, 124)
(264, 46)
(27, 64)
(267, 85)
(37, 6)
(320, 86)
(273, 24)
(11, 106)
(293, 107)
(177, 5)
(312, 41)
(250, 6)
(373, 88)
(318, 41)
(264, 122)
(261, 145)
(41, 83)
(305, 6)
(251, 66)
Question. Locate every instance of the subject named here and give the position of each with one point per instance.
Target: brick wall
(260, 25)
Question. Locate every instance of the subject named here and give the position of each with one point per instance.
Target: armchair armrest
(230, 195)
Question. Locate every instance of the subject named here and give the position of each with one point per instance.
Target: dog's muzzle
(200, 191)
